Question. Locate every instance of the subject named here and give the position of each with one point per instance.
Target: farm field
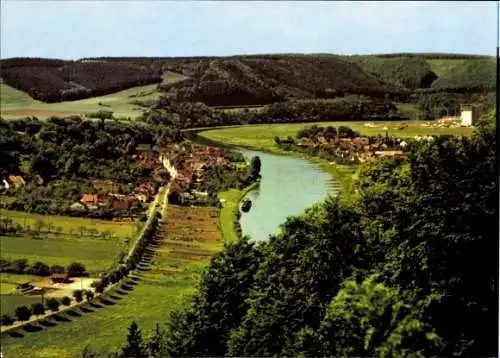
(95, 254)
(73, 225)
(18, 104)
(190, 237)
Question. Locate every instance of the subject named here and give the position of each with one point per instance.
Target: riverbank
(229, 222)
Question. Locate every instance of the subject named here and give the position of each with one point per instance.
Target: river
(289, 185)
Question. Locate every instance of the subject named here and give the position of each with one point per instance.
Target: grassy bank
(227, 216)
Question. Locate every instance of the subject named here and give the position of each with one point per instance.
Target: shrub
(78, 295)
(76, 269)
(38, 309)
(23, 313)
(66, 301)
(53, 304)
(6, 320)
(56, 269)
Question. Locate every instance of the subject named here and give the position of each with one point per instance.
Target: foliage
(135, 347)
(76, 269)
(377, 272)
(23, 313)
(203, 329)
(6, 320)
(255, 165)
(38, 309)
(53, 304)
(66, 301)
(71, 80)
(78, 295)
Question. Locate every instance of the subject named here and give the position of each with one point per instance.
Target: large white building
(467, 115)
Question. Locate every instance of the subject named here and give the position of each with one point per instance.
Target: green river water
(289, 185)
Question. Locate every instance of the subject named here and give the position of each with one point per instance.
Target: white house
(467, 115)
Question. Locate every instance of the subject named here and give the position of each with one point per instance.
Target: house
(59, 278)
(304, 142)
(403, 144)
(147, 188)
(91, 200)
(362, 140)
(17, 180)
(468, 115)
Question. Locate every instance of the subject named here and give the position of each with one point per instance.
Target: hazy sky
(75, 29)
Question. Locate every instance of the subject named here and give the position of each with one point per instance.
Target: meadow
(73, 225)
(189, 238)
(18, 104)
(95, 254)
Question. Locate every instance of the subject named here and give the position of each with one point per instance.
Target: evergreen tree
(135, 346)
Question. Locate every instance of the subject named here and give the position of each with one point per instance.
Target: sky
(77, 29)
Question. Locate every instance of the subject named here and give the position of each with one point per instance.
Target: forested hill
(253, 79)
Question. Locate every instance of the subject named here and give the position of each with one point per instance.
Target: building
(468, 115)
(91, 200)
(17, 180)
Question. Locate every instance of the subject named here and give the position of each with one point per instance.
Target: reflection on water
(288, 186)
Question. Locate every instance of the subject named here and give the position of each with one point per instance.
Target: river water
(289, 185)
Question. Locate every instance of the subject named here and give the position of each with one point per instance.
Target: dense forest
(402, 264)
(171, 112)
(56, 81)
(254, 79)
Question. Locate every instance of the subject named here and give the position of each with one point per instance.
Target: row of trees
(21, 266)
(24, 313)
(377, 271)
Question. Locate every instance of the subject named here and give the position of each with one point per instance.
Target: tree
(78, 295)
(23, 313)
(39, 269)
(135, 346)
(57, 269)
(6, 320)
(76, 269)
(66, 301)
(156, 344)
(53, 304)
(89, 295)
(39, 226)
(255, 167)
(203, 329)
(38, 309)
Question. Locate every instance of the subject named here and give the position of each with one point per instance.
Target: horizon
(76, 30)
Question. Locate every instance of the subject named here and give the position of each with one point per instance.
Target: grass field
(190, 237)
(72, 225)
(18, 104)
(96, 254)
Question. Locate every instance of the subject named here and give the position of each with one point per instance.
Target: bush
(38, 269)
(38, 309)
(66, 301)
(56, 269)
(6, 320)
(53, 304)
(23, 313)
(76, 269)
(78, 295)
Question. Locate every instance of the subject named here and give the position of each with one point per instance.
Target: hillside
(254, 79)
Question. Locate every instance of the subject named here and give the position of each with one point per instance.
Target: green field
(262, 136)
(72, 225)
(95, 253)
(18, 104)
(190, 238)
